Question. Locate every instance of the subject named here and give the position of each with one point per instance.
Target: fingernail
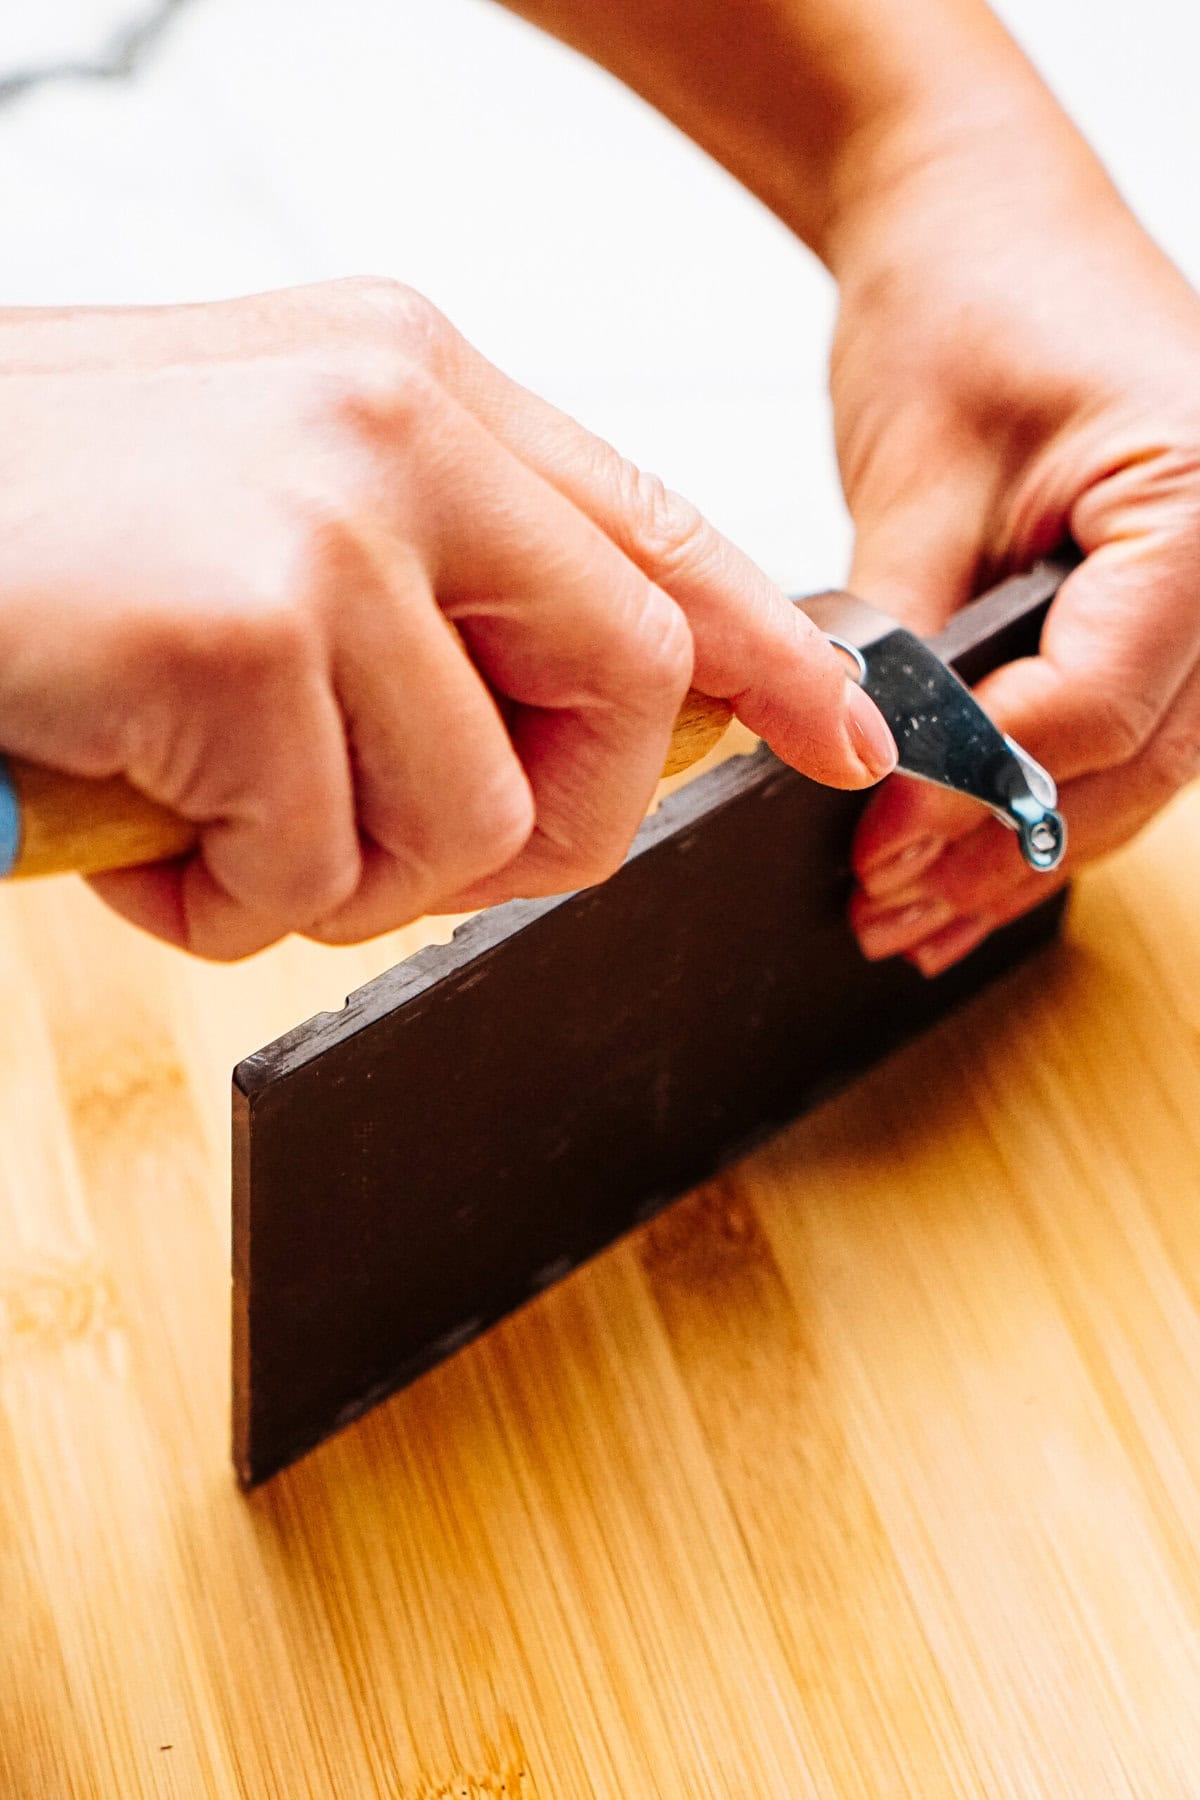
(891, 932)
(873, 743)
(901, 867)
(950, 945)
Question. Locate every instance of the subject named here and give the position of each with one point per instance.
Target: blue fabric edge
(10, 822)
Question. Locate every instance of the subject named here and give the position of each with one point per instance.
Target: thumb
(918, 558)
(1118, 645)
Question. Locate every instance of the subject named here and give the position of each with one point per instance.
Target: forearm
(813, 103)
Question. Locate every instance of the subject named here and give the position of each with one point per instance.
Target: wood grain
(872, 1470)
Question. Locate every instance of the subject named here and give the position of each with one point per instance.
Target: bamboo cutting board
(871, 1471)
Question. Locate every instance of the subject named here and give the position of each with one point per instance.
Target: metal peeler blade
(942, 733)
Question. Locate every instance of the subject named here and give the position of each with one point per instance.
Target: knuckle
(438, 851)
(597, 864)
(219, 948)
(334, 883)
(220, 942)
(417, 880)
(313, 886)
(505, 820)
(640, 649)
(272, 633)
(1173, 761)
(402, 343)
(405, 316)
(671, 533)
(665, 651)
(583, 856)
(235, 648)
(379, 395)
(268, 637)
(1124, 722)
(605, 864)
(372, 373)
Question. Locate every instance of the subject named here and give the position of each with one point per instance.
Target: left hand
(1017, 364)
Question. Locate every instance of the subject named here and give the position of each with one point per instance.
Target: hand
(395, 635)
(1016, 364)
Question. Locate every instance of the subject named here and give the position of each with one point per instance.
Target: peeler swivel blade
(942, 733)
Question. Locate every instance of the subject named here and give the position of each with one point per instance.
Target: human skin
(1016, 364)
(394, 634)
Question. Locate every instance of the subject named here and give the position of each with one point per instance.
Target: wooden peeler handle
(54, 824)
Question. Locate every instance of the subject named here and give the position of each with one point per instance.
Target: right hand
(395, 635)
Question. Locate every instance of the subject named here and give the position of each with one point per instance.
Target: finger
(904, 830)
(980, 878)
(934, 931)
(1102, 810)
(972, 881)
(581, 837)
(1117, 647)
(939, 952)
(273, 798)
(595, 657)
(752, 647)
(918, 559)
(441, 796)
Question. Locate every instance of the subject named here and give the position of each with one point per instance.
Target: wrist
(930, 167)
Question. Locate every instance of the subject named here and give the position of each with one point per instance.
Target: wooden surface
(873, 1473)
(873, 1470)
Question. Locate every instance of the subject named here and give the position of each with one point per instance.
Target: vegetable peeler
(942, 733)
(51, 823)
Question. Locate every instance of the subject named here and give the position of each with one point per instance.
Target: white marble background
(581, 242)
